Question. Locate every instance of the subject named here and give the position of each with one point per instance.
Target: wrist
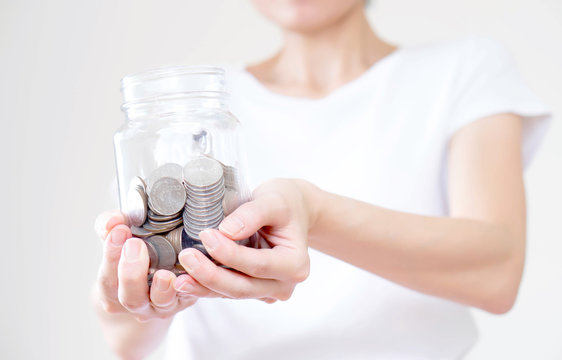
(312, 197)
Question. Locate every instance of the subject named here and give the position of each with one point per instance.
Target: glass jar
(179, 158)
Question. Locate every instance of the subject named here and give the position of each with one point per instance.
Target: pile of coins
(174, 204)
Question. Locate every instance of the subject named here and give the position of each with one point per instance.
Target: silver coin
(204, 201)
(155, 217)
(158, 230)
(152, 254)
(167, 170)
(202, 172)
(206, 197)
(167, 196)
(203, 189)
(202, 218)
(140, 232)
(166, 254)
(174, 237)
(230, 177)
(197, 228)
(231, 201)
(136, 202)
(203, 210)
(165, 224)
(203, 213)
(203, 207)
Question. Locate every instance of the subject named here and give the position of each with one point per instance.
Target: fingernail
(118, 237)
(161, 284)
(183, 286)
(189, 261)
(209, 239)
(132, 250)
(232, 225)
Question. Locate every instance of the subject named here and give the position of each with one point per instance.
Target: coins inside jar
(176, 203)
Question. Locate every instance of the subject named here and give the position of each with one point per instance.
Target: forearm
(127, 337)
(467, 261)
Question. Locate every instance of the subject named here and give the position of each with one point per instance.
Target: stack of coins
(204, 183)
(163, 198)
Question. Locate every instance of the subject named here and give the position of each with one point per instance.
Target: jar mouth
(173, 82)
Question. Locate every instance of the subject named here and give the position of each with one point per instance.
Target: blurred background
(60, 66)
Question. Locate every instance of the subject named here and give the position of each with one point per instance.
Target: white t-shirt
(381, 138)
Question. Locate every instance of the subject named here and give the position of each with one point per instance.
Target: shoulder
(459, 54)
(470, 47)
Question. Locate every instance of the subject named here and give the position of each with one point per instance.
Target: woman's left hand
(281, 216)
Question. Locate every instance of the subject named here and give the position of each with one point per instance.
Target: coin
(202, 171)
(230, 177)
(166, 254)
(140, 232)
(207, 198)
(155, 217)
(167, 196)
(167, 170)
(136, 202)
(152, 254)
(175, 238)
(158, 230)
(231, 201)
(164, 224)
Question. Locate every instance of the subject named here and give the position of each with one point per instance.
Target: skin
(474, 257)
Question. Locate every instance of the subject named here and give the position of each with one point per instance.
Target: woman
(431, 141)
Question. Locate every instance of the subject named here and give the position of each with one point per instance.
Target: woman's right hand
(121, 286)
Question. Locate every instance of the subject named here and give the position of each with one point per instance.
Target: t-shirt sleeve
(489, 84)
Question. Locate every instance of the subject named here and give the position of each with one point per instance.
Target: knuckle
(242, 293)
(107, 284)
(163, 314)
(163, 305)
(225, 251)
(285, 294)
(260, 268)
(133, 305)
(142, 318)
(187, 301)
(128, 278)
(301, 273)
(211, 278)
(111, 307)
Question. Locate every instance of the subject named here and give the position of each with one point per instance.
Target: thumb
(253, 215)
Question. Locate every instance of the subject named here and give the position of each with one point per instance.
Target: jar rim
(166, 71)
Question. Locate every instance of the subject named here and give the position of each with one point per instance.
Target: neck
(313, 64)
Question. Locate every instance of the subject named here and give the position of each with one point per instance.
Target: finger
(185, 285)
(132, 273)
(107, 221)
(268, 300)
(229, 283)
(162, 292)
(107, 274)
(248, 218)
(281, 263)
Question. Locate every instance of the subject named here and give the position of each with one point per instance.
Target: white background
(60, 66)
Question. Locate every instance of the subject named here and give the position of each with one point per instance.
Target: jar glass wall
(179, 157)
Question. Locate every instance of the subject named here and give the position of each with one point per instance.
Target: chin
(306, 15)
